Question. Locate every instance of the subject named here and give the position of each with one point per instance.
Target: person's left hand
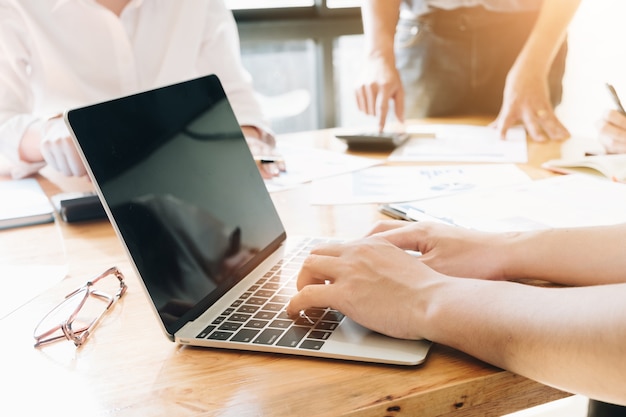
(526, 100)
(613, 132)
(448, 249)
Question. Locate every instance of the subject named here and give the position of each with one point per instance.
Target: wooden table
(129, 368)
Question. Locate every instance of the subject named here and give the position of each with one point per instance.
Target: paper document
(306, 164)
(563, 201)
(382, 184)
(23, 203)
(462, 143)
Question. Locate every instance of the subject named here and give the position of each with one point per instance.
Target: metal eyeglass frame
(79, 336)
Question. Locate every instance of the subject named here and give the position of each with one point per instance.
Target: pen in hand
(616, 99)
(268, 159)
(270, 165)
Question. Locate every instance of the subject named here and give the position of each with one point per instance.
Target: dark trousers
(455, 62)
(601, 409)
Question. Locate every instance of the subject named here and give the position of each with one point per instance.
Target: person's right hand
(379, 84)
(613, 132)
(59, 151)
(450, 250)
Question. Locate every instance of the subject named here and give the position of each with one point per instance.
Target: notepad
(610, 166)
(23, 203)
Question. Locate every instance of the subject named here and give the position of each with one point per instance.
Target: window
(292, 49)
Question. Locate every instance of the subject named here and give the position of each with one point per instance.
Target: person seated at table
(63, 54)
(435, 58)
(613, 132)
(462, 292)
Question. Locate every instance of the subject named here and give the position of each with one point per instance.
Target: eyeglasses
(80, 312)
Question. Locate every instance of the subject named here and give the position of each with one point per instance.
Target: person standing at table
(434, 58)
(60, 54)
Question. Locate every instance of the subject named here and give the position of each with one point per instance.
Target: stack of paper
(563, 201)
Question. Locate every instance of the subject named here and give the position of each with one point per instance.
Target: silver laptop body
(185, 197)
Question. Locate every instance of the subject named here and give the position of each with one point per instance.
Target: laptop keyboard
(259, 316)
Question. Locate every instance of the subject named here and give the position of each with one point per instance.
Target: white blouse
(59, 54)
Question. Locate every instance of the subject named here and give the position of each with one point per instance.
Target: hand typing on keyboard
(259, 315)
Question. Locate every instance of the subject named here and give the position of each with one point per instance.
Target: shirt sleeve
(16, 96)
(221, 54)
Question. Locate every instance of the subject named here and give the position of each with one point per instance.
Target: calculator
(384, 141)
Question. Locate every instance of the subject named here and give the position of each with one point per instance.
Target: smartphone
(78, 206)
(385, 141)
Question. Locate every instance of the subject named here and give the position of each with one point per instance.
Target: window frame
(319, 23)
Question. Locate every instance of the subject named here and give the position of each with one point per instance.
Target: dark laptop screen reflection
(191, 241)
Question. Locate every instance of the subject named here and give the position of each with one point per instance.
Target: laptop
(185, 196)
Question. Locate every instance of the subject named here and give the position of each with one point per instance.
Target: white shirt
(418, 7)
(59, 54)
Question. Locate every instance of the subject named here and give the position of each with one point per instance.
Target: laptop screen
(183, 192)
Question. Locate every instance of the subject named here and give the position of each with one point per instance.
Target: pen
(394, 213)
(616, 99)
(411, 215)
(268, 159)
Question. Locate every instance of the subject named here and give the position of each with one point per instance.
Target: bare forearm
(575, 256)
(570, 338)
(380, 18)
(548, 34)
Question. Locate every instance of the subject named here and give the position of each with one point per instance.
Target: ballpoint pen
(411, 214)
(268, 159)
(616, 99)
